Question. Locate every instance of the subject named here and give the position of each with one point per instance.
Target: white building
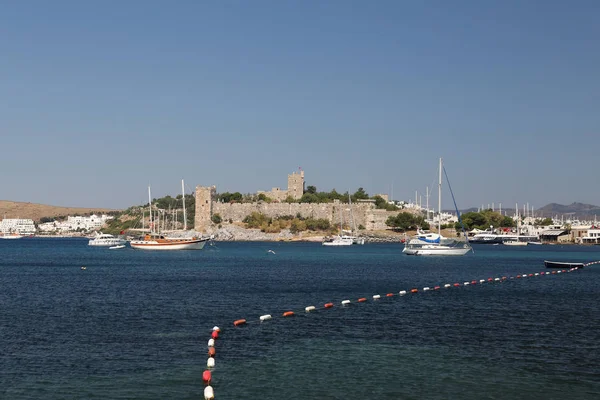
(17, 225)
(73, 224)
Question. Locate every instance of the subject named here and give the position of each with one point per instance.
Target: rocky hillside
(14, 209)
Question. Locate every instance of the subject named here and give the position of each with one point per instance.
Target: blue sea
(135, 324)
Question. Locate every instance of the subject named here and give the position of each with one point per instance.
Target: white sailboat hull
(514, 243)
(430, 250)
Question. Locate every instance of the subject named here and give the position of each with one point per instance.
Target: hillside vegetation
(15, 209)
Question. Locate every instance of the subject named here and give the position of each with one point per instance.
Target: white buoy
(376, 296)
(402, 292)
(482, 281)
(345, 302)
(447, 285)
(497, 279)
(216, 328)
(265, 317)
(209, 394)
(211, 342)
(426, 288)
(537, 274)
(466, 283)
(210, 363)
(310, 308)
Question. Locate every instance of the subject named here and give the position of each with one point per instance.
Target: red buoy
(211, 352)
(288, 313)
(206, 377)
(414, 290)
(362, 299)
(328, 305)
(456, 284)
(214, 334)
(473, 282)
(239, 322)
(389, 294)
(436, 288)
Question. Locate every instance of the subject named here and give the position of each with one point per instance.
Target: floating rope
(210, 364)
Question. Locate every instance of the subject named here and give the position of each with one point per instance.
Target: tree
(360, 194)
(406, 221)
(216, 218)
(311, 190)
(309, 198)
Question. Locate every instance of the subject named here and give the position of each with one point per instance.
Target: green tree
(216, 218)
(309, 198)
(311, 190)
(360, 194)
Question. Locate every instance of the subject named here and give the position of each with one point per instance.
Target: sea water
(135, 324)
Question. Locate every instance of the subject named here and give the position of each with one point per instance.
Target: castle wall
(363, 214)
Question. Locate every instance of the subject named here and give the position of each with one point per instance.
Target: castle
(363, 213)
(295, 188)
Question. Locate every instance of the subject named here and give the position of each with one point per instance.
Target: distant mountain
(15, 209)
(577, 209)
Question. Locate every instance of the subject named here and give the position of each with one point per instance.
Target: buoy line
(209, 393)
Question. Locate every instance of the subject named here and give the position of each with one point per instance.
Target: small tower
(205, 196)
(296, 185)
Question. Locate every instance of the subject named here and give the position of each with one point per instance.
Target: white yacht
(339, 241)
(106, 240)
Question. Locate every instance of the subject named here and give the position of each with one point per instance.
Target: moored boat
(10, 236)
(159, 242)
(559, 264)
(106, 240)
(436, 244)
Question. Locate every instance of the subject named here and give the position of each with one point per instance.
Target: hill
(578, 210)
(14, 209)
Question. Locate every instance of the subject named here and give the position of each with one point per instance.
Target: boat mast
(150, 206)
(183, 200)
(440, 200)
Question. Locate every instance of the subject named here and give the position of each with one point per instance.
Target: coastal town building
(17, 225)
(76, 223)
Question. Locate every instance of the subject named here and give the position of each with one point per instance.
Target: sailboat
(341, 239)
(155, 241)
(516, 241)
(437, 247)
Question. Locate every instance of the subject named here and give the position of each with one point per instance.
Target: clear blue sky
(99, 99)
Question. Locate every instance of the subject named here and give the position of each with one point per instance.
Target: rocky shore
(233, 233)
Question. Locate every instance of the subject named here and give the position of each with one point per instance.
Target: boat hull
(558, 264)
(168, 244)
(435, 251)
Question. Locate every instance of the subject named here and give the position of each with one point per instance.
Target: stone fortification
(295, 188)
(363, 214)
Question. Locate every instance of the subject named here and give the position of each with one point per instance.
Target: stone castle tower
(296, 185)
(205, 196)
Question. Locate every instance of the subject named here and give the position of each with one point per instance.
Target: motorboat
(338, 241)
(106, 240)
(559, 264)
(10, 236)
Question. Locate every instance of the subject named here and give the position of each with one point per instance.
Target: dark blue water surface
(134, 324)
